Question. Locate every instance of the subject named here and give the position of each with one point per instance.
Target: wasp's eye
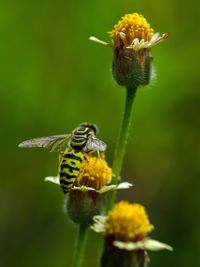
(94, 128)
(91, 126)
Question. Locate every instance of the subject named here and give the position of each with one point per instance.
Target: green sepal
(82, 206)
(130, 68)
(115, 257)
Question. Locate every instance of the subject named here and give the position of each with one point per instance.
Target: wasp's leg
(86, 158)
(60, 157)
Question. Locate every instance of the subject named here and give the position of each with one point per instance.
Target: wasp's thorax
(92, 127)
(81, 135)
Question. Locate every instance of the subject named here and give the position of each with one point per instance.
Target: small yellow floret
(96, 173)
(127, 222)
(133, 26)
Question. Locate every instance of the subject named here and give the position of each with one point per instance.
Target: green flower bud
(130, 68)
(82, 206)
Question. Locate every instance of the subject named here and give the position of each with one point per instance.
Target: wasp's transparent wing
(54, 143)
(94, 143)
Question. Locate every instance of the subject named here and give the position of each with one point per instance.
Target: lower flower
(125, 231)
(87, 196)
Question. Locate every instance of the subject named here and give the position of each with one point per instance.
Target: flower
(132, 39)
(96, 174)
(125, 230)
(134, 32)
(87, 196)
(127, 222)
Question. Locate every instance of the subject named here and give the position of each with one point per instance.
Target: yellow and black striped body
(74, 158)
(72, 163)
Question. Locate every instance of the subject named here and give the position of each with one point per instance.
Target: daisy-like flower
(125, 230)
(87, 196)
(133, 38)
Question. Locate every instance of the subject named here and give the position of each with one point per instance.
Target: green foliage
(53, 78)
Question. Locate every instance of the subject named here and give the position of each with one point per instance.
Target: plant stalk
(121, 143)
(80, 245)
(141, 259)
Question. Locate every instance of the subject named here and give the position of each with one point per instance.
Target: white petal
(155, 37)
(155, 245)
(141, 43)
(94, 39)
(126, 245)
(158, 40)
(148, 244)
(135, 41)
(99, 225)
(99, 219)
(124, 185)
(122, 35)
(83, 188)
(107, 188)
(145, 45)
(135, 44)
(53, 179)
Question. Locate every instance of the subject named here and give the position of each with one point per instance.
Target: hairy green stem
(121, 143)
(80, 245)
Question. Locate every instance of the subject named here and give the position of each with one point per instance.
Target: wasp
(73, 149)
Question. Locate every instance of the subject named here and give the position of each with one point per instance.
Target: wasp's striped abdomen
(71, 164)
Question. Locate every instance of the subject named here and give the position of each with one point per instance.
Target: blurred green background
(51, 79)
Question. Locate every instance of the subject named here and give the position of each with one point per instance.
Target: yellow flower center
(127, 222)
(96, 173)
(133, 26)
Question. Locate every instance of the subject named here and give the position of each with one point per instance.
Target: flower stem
(121, 143)
(80, 245)
(141, 259)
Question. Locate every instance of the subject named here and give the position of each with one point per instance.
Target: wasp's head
(91, 126)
